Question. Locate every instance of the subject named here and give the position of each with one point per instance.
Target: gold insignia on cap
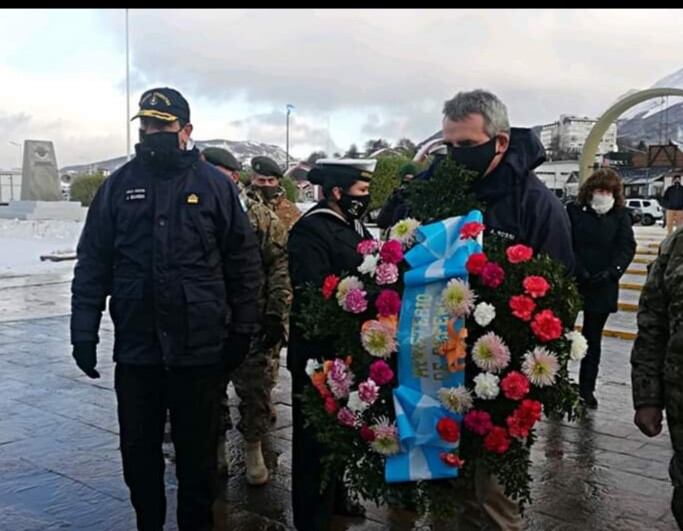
(365, 174)
(193, 199)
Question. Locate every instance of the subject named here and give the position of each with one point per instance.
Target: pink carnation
(367, 247)
(388, 303)
(346, 417)
(478, 422)
(381, 373)
(391, 252)
(386, 274)
(368, 391)
(355, 301)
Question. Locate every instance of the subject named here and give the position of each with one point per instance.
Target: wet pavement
(60, 466)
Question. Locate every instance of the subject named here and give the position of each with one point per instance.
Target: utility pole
(127, 93)
(289, 111)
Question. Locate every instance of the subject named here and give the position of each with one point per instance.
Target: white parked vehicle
(651, 209)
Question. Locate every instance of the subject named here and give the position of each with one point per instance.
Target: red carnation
(519, 253)
(478, 422)
(536, 286)
(475, 263)
(471, 230)
(331, 405)
(391, 252)
(517, 427)
(380, 372)
(448, 429)
(515, 385)
(329, 285)
(367, 434)
(388, 303)
(497, 440)
(452, 460)
(547, 326)
(522, 307)
(530, 410)
(492, 275)
(524, 418)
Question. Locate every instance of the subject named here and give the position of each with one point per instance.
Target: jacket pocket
(127, 306)
(206, 313)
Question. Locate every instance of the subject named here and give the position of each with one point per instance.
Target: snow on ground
(23, 242)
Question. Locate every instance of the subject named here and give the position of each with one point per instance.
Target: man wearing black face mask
(265, 187)
(167, 239)
(323, 242)
(519, 206)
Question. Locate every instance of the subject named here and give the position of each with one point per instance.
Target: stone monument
(41, 195)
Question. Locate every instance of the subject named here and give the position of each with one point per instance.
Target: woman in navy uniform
(323, 242)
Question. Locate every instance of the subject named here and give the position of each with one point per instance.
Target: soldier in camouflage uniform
(657, 357)
(265, 184)
(255, 378)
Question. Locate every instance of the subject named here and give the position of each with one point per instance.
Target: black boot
(589, 400)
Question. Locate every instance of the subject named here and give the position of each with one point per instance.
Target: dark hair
(603, 179)
(677, 176)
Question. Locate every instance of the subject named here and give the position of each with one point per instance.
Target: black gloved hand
(236, 350)
(85, 355)
(600, 278)
(272, 331)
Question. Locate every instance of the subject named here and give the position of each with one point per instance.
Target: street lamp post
(127, 95)
(289, 111)
(21, 167)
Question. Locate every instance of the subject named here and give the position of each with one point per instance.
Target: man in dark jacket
(519, 206)
(323, 242)
(673, 203)
(166, 237)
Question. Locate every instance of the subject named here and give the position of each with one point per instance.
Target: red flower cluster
(471, 230)
(536, 286)
(515, 385)
(497, 440)
(388, 303)
(329, 285)
(492, 275)
(522, 307)
(519, 253)
(524, 418)
(546, 326)
(475, 263)
(391, 252)
(452, 460)
(331, 405)
(380, 372)
(448, 429)
(367, 434)
(478, 422)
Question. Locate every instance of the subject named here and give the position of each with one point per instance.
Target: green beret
(266, 166)
(222, 157)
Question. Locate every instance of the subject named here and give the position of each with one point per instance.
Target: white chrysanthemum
(378, 339)
(484, 313)
(355, 404)
(579, 345)
(456, 399)
(312, 366)
(346, 285)
(386, 437)
(540, 366)
(486, 385)
(458, 298)
(404, 231)
(369, 265)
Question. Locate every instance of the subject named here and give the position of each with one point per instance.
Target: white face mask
(602, 203)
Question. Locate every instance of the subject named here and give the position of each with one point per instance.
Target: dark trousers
(312, 510)
(593, 325)
(191, 395)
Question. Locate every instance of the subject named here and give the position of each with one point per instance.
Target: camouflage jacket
(657, 355)
(287, 211)
(272, 237)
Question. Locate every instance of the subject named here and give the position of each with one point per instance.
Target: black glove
(85, 355)
(272, 331)
(600, 278)
(236, 350)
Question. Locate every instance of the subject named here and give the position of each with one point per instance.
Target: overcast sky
(351, 74)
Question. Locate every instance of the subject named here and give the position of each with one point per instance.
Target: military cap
(341, 172)
(266, 166)
(165, 104)
(222, 157)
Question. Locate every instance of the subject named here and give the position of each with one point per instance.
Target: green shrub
(83, 187)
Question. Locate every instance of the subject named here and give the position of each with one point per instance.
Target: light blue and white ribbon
(439, 256)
